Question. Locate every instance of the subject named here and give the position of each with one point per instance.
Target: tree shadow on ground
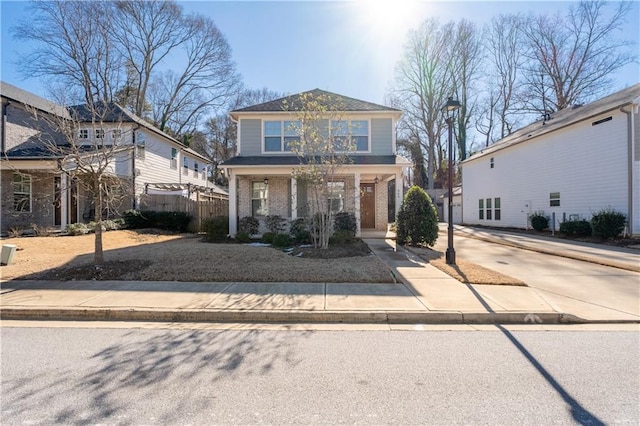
(123, 376)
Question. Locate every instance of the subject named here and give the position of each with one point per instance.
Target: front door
(367, 205)
(57, 201)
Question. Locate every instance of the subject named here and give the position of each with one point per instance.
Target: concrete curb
(289, 316)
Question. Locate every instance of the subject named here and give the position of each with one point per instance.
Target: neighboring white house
(36, 190)
(261, 176)
(572, 164)
(456, 206)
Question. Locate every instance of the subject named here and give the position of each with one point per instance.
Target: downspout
(133, 168)
(630, 136)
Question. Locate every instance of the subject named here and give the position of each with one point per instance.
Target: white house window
(99, 133)
(488, 204)
(259, 198)
(491, 163)
(481, 209)
(280, 135)
(195, 169)
(21, 192)
(116, 134)
(336, 196)
(83, 134)
(554, 199)
(204, 175)
(185, 165)
(140, 145)
(173, 163)
(496, 209)
(349, 135)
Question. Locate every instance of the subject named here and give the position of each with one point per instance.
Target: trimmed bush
(575, 228)
(608, 223)
(248, 225)
(344, 221)
(342, 237)
(217, 229)
(172, 221)
(77, 229)
(299, 230)
(539, 221)
(243, 237)
(275, 223)
(134, 219)
(417, 221)
(281, 240)
(268, 237)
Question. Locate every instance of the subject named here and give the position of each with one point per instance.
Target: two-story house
(39, 186)
(262, 178)
(568, 165)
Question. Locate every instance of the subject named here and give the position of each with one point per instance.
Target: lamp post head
(451, 105)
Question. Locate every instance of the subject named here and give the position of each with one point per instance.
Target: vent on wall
(604, 120)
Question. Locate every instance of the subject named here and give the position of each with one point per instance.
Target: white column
(399, 188)
(233, 204)
(294, 198)
(357, 203)
(64, 201)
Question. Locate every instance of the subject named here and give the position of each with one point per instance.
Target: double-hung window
(350, 135)
(83, 134)
(185, 165)
(488, 203)
(279, 136)
(481, 209)
(21, 192)
(99, 133)
(496, 209)
(336, 196)
(554, 199)
(174, 158)
(259, 199)
(195, 169)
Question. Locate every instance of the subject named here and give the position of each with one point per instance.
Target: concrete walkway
(423, 295)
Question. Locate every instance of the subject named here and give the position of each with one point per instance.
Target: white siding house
(577, 162)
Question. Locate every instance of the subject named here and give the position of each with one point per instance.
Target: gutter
(133, 168)
(3, 126)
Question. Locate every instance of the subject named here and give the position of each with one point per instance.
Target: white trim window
(21, 192)
(336, 196)
(195, 169)
(259, 199)
(116, 134)
(350, 135)
(185, 165)
(279, 136)
(554, 199)
(83, 134)
(99, 133)
(173, 162)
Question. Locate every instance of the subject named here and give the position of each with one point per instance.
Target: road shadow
(123, 376)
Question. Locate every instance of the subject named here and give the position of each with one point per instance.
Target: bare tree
(572, 59)
(422, 84)
(73, 47)
(322, 143)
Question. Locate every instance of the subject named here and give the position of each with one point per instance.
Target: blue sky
(348, 47)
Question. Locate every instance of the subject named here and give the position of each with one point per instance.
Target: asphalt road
(133, 376)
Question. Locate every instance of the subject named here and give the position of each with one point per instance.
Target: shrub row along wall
(198, 210)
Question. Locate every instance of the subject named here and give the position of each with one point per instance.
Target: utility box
(8, 251)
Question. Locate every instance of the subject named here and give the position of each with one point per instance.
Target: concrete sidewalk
(423, 295)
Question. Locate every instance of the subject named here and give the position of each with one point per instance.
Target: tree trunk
(98, 258)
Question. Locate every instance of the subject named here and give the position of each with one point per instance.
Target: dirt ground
(134, 255)
(151, 255)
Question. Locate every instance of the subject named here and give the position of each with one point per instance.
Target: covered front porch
(371, 193)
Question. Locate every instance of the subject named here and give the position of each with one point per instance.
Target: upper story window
(554, 199)
(83, 134)
(116, 134)
(185, 165)
(279, 135)
(21, 192)
(173, 163)
(140, 145)
(350, 135)
(99, 133)
(195, 169)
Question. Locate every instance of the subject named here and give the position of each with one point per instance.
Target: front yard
(132, 255)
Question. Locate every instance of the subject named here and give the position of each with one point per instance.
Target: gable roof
(564, 118)
(293, 103)
(16, 94)
(111, 112)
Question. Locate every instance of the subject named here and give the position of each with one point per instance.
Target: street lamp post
(449, 108)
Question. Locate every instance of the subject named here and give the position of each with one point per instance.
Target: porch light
(376, 180)
(449, 108)
(266, 181)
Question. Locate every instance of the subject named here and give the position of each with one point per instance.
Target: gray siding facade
(381, 135)
(250, 137)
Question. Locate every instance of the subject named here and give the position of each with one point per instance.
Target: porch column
(399, 188)
(64, 201)
(356, 179)
(233, 204)
(294, 198)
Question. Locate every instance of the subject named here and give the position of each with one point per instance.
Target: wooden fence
(199, 210)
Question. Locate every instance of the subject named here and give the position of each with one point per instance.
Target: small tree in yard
(417, 221)
(321, 140)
